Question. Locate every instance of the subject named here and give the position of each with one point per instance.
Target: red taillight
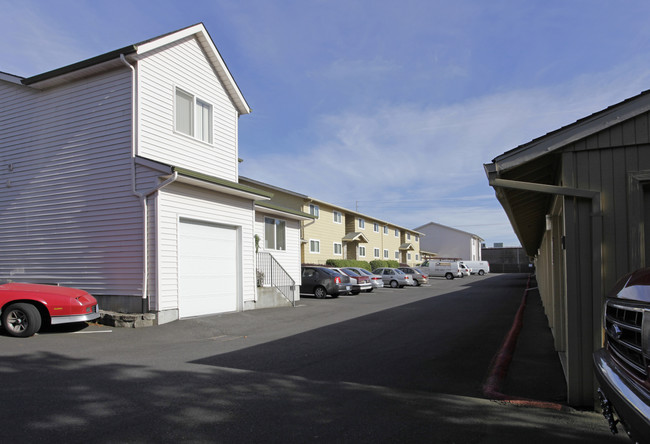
(337, 280)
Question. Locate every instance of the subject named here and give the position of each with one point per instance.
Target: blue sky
(390, 108)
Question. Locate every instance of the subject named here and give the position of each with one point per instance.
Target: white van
(477, 267)
(446, 269)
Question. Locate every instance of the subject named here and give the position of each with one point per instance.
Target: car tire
(21, 320)
(320, 292)
(394, 284)
(369, 291)
(481, 272)
(449, 276)
(417, 283)
(356, 292)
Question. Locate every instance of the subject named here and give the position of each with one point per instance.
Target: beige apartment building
(339, 233)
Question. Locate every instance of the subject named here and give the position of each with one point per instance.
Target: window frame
(362, 223)
(316, 243)
(386, 253)
(277, 224)
(340, 248)
(197, 130)
(338, 217)
(314, 210)
(376, 253)
(362, 251)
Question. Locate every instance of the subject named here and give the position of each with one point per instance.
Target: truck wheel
(481, 272)
(21, 320)
(320, 292)
(449, 276)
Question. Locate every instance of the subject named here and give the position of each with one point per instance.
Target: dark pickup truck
(622, 366)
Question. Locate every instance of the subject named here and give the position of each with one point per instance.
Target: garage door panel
(209, 277)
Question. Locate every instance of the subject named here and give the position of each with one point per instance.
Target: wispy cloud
(411, 163)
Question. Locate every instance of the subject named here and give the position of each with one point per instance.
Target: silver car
(375, 279)
(394, 277)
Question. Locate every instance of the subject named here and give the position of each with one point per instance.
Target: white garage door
(208, 269)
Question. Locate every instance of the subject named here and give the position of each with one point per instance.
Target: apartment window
(375, 227)
(397, 255)
(377, 252)
(396, 232)
(314, 210)
(408, 256)
(275, 234)
(362, 251)
(314, 246)
(338, 217)
(386, 230)
(417, 238)
(408, 236)
(193, 116)
(338, 249)
(362, 223)
(385, 254)
(417, 257)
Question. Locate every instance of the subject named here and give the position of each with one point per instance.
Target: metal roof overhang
(217, 184)
(526, 209)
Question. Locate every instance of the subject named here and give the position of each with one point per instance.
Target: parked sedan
(323, 281)
(375, 279)
(27, 307)
(394, 277)
(419, 276)
(359, 282)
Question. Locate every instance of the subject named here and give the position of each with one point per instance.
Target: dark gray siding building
(578, 199)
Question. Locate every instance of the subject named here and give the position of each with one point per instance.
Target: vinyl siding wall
(67, 214)
(180, 200)
(184, 65)
(324, 230)
(289, 258)
(573, 281)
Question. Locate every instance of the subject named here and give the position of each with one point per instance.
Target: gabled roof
(355, 236)
(407, 246)
(112, 59)
(434, 224)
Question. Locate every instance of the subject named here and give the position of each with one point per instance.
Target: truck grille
(624, 327)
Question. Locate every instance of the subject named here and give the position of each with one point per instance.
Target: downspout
(141, 196)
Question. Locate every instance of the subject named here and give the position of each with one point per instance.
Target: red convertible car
(25, 307)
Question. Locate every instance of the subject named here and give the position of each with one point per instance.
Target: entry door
(208, 269)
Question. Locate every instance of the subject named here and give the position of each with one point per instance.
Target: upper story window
(193, 116)
(386, 229)
(375, 227)
(408, 236)
(396, 232)
(314, 210)
(362, 223)
(275, 234)
(338, 217)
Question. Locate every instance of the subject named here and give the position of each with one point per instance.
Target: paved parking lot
(395, 365)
